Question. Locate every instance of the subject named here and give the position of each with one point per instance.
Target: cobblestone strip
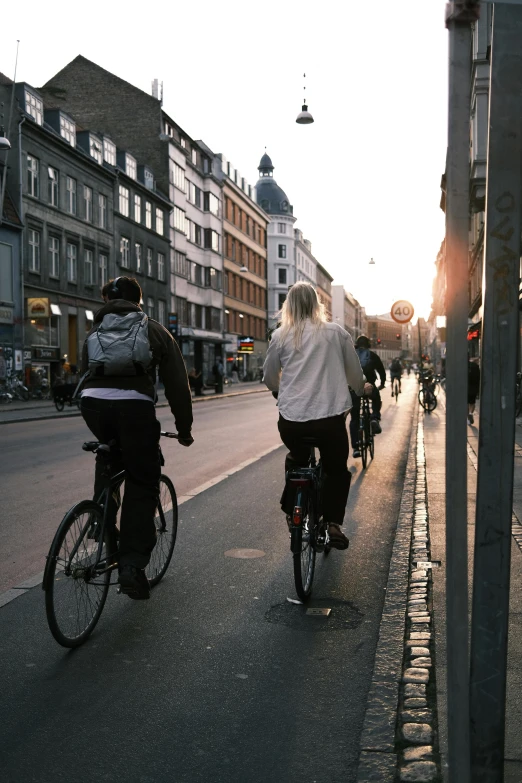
(418, 761)
(378, 757)
(516, 525)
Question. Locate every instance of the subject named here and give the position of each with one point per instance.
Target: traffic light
(378, 341)
(398, 336)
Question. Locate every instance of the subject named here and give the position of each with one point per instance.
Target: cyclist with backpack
(372, 367)
(120, 357)
(396, 372)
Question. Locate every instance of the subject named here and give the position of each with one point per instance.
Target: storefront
(41, 340)
(247, 354)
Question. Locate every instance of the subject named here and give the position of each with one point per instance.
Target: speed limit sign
(402, 311)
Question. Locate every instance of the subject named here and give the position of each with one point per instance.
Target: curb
(159, 405)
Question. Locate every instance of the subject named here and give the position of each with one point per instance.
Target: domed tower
(281, 271)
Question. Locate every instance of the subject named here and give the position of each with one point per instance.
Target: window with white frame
(162, 312)
(183, 142)
(194, 156)
(161, 266)
(54, 257)
(53, 192)
(159, 221)
(211, 203)
(180, 264)
(149, 179)
(281, 251)
(212, 239)
(124, 200)
(150, 307)
(96, 149)
(282, 276)
(281, 227)
(88, 267)
(72, 262)
(71, 195)
(104, 269)
(102, 210)
(34, 250)
(138, 251)
(34, 107)
(149, 262)
(68, 130)
(109, 152)
(130, 166)
(87, 203)
(137, 208)
(148, 214)
(125, 252)
(178, 176)
(33, 176)
(179, 219)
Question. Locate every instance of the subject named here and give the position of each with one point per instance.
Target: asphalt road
(218, 677)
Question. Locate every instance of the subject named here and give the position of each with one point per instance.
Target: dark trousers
(219, 384)
(356, 411)
(332, 441)
(133, 424)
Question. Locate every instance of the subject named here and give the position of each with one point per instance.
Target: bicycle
(308, 533)
(366, 436)
(84, 552)
(427, 397)
(396, 387)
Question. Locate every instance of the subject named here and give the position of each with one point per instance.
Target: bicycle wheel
(427, 399)
(59, 404)
(304, 551)
(166, 521)
(363, 444)
(370, 439)
(75, 594)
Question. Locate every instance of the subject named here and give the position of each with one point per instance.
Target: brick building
(386, 337)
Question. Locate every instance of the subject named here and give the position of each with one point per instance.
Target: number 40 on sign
(402, 311)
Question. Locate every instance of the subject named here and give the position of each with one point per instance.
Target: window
(212, 239)
(138, 256)
(104, 265)
(88, 265)
(54, 257)
(161, 266)
(102, 210)
(281, 251)
(281, 227)
(34, 107)
(68, 130)
(72, 262)
(180, 264)
(53, 186)
(149, 179)
(130, 166)
(178, 176)
(125, 252)
(149, 262)
(6, 272)
(193, 194)
(96, 149)
(34, 250)
(109, 152)
(137, 208)
(211, 203)
(124, 201)
(150, 307)
(71, 195)
(148, 214)
(179, 219)
(197, 273)
(282, 276)
(183, 142)
(282, 298)
(87, 200)
(33, 176)
(159, 221)
(194, 156)
(161, 312)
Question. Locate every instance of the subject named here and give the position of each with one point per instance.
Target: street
(218, 677)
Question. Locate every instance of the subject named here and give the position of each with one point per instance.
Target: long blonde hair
(302, 304)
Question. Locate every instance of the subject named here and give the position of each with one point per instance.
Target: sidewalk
(32, 410)
(434, 439)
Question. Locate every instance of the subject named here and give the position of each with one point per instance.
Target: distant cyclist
(372, 367)
(310, 363)
(396, 372)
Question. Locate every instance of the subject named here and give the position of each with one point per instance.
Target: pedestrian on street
(473, 387)
(309, 364)
(235, 372)
(218, 375)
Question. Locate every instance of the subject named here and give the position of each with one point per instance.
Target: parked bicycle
(15, 386)
(84, 552)
(366, 436)
(427, 397)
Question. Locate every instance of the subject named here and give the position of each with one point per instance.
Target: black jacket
(373, 368)
(166, 357)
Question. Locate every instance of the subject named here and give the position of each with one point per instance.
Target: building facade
(306, 264)
(386, 337)
(324, 289)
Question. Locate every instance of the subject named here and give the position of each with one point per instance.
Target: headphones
(114, 287)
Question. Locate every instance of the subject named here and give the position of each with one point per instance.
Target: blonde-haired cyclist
(310, 364)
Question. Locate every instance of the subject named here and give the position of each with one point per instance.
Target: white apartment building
(304, 260)
(344, 310)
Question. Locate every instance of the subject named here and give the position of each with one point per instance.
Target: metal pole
(490, 615)
(459, 16)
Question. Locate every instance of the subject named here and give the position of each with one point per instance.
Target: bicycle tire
(304, 552)
(371, 440)
(60, 405)
(427, 400)
(72, 608)
(166, 521)
(363, 446)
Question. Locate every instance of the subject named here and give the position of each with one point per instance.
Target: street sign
(173, 325)
(402, 311)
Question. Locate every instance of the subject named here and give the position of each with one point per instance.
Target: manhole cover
(245, 554)
(344, 615)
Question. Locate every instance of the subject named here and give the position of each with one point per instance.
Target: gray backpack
(120, 345)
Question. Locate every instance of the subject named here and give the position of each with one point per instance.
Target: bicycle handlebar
(170, 435)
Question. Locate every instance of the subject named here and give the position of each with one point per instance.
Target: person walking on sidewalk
(372, 366)
(218, 375)
(473, 387)
(310, 364)
(235, 372)
(120, 357)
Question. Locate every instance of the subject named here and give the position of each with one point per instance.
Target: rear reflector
(298, 515)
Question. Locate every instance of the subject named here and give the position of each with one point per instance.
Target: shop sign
(27, 356)
(245, 344)
(51, 354)
(38, 308)
(18, 360)
(6, 315)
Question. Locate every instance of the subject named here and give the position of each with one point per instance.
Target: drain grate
(337, 615)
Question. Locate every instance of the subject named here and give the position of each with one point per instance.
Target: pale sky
(363, 179)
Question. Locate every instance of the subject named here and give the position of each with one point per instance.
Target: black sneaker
(134, 583)
(356, 453)
(376, 427)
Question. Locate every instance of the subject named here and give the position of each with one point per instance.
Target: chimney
(157, 90)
